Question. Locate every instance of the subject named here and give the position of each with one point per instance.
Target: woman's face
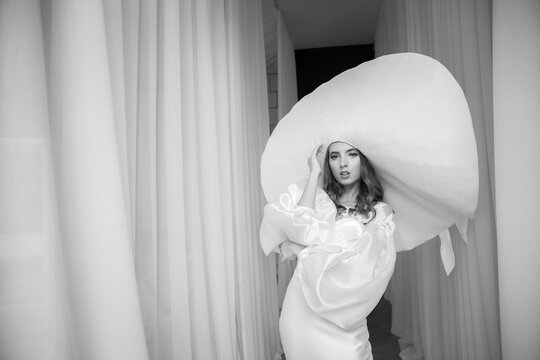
(344, 161)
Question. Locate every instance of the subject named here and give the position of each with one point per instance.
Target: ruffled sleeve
(344, 283)
(284, 219)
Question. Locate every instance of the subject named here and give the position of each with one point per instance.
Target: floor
(384, 345)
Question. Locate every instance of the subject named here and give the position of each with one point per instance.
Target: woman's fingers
(314, 161)
(320, 155)
(316, 152)
(287, 249)
(290, 250)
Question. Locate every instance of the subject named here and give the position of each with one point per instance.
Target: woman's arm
(308, 196)
(290, 250)
(292, 217)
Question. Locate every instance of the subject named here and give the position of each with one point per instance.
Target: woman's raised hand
(308, 196)
(314, 162)
(289, 250)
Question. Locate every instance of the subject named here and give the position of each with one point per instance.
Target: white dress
(340, 276)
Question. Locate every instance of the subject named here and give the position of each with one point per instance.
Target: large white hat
(409, 116)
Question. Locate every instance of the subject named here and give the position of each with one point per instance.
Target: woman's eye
(353, 154)
(333, 157)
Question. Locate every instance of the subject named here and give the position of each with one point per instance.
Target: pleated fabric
(130, 204)
(451, 317)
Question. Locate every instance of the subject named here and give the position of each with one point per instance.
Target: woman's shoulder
(381, 206)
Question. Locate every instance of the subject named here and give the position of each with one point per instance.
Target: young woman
(408, 115)
(342, 237)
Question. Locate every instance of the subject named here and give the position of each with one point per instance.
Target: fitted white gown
(340, 276)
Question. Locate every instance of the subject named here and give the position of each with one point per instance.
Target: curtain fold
(516, 79)
(92, 216)
(131, 175)
(287, 98)
(34, 308)
(287, 90)
(454, 317)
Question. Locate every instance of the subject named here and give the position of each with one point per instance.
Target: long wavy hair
(370, 190)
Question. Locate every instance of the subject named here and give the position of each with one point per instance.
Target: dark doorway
(316, 66)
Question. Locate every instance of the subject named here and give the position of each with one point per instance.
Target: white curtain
(454, 317)
(130, 138)
(287, 90)
(287, 97)
(516, 79)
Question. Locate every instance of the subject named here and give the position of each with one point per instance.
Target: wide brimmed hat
(409, 116)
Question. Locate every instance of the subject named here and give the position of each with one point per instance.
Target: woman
(343, 239)
(408, 115)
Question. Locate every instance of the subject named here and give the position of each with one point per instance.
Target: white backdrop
(516, 79)
(455, 317)
(130, 138)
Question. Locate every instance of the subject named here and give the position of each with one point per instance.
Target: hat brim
(409, 116)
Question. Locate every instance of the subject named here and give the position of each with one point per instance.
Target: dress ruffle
(284, 220)
(345, 268)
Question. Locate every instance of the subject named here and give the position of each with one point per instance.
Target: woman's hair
(370, 190)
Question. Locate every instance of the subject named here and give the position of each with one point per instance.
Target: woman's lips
(344, 174)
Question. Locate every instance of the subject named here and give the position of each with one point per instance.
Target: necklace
(343, 211)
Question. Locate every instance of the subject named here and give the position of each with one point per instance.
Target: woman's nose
(344, 162)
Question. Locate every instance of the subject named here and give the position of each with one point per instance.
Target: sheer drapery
(287, 91)
(287, 97)
(130, 138)
(453, 317)
(516, 87)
